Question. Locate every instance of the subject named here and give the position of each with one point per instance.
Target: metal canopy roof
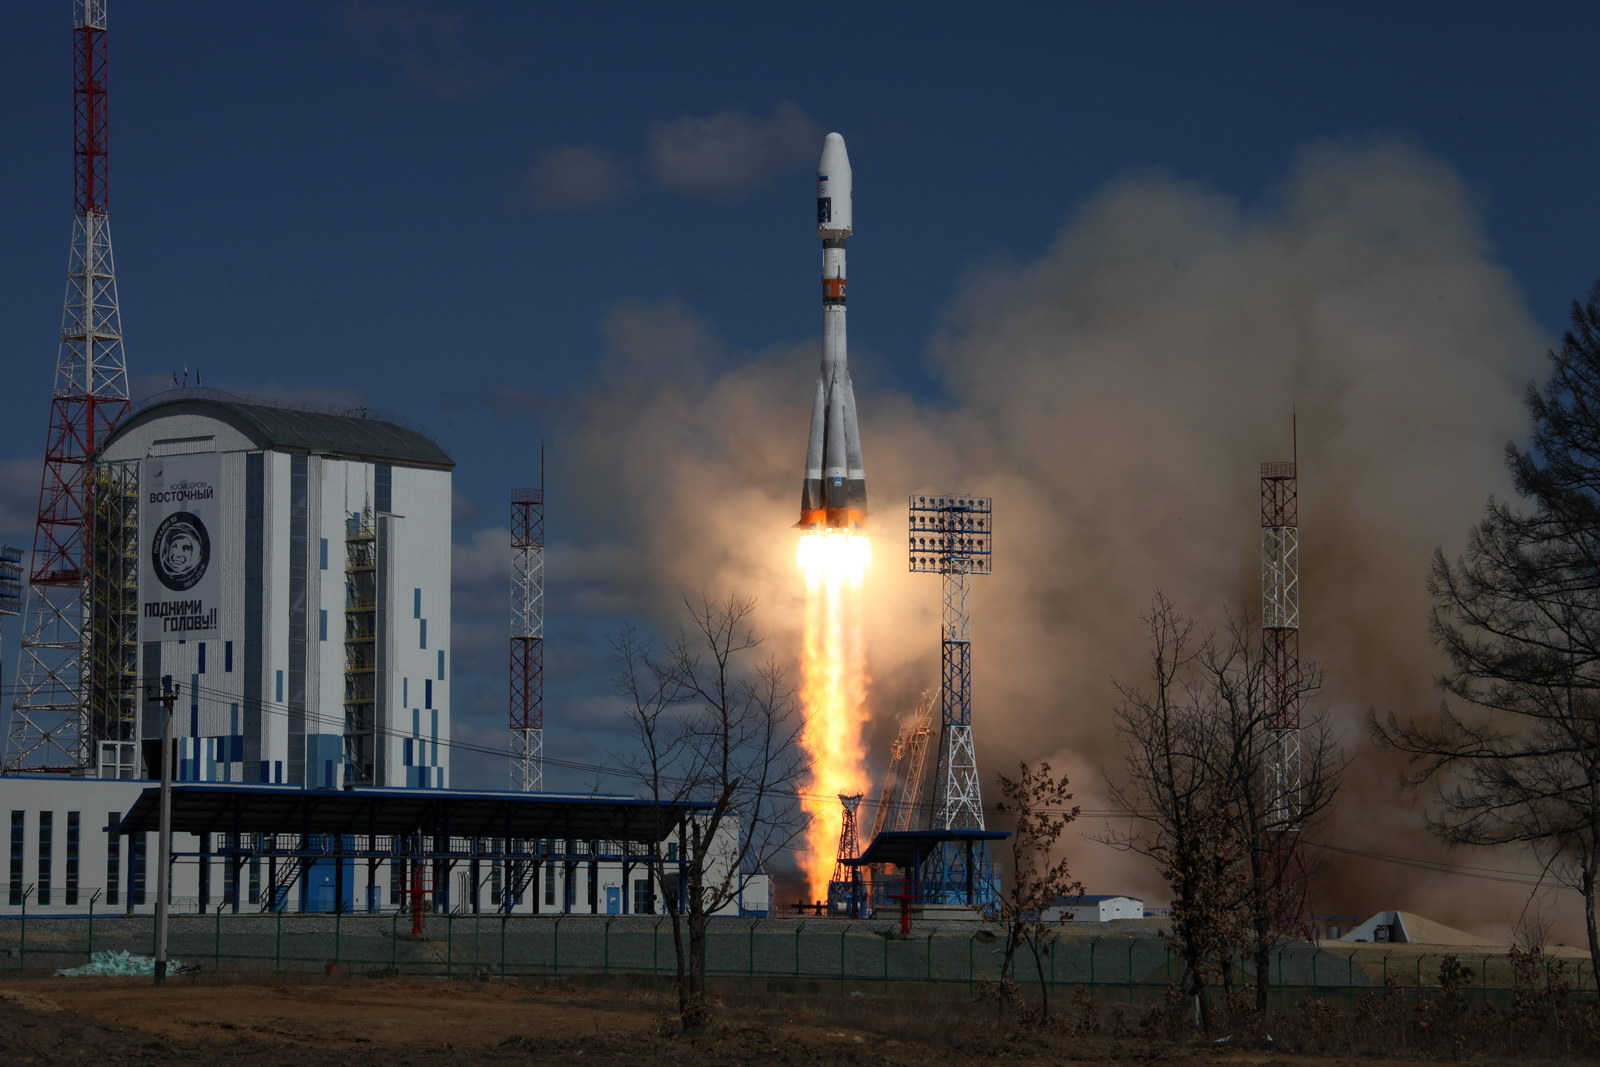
(198, 809)
(906, 848)
(302, 427)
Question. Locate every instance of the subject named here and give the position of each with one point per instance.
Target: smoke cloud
(574, 177)
(731, 151)
(1115, 396)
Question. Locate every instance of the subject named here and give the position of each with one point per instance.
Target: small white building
(1098, 908)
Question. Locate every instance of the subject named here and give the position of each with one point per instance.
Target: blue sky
(500, 219)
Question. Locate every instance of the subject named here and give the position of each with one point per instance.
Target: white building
(1094, 909)
(289, 569)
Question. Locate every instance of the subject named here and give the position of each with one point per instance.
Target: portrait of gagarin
(180, 550)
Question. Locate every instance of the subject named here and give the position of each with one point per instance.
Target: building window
(427, 692)
(72, 857)
(18, 836)
(322, 624)
(279, 697)
(422, 633)
(204, 860)
(47, 833)
(644, 901)
(201, 654)
(416, 603)
(550, 885)
(113, 858)
(136, 852)
(230, 872)
(255, 881)
(441, 665)
(323, 550)
(227, 656)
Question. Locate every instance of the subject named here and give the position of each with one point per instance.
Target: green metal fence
(824, 953)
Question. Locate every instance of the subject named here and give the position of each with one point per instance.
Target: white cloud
(430, 44)
(574, 177)
(19, 499)
(731, 151)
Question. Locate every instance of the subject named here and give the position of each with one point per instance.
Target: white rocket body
(834, 493)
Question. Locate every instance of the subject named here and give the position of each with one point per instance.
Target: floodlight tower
(952, 536)
(50, 726)
(1280, 641)
(527, 637)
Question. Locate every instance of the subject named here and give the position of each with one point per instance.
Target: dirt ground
(398, 1022)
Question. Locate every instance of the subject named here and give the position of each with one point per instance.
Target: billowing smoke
(1115, 397)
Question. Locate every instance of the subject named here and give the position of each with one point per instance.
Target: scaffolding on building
(360, 647)
(10, 587)
(111, 631)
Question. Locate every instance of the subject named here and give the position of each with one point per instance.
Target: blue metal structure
(314, 838)
(925, 860)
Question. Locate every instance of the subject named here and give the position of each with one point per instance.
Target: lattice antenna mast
(1280, 625)
(845, 891)
(527, 637)
(50, 725)
(952, 536)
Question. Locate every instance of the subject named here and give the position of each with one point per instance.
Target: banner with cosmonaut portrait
(180, 556)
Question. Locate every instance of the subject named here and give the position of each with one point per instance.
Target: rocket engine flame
(833, 690)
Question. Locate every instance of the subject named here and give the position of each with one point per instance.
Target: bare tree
(1037, 804)
(1200, 740)
(1231, 691)
(1515, 759)
(717, 730)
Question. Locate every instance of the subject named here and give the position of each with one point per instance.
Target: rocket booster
(834, 493)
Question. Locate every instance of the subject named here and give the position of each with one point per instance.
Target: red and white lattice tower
(527, 637)
(1280, 626)
(49, 726)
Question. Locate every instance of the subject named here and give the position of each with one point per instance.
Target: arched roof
(289, 427)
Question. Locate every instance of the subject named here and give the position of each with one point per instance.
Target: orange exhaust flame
(833, 689)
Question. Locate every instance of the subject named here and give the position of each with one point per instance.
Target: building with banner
(288, 567)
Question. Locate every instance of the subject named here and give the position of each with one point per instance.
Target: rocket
(834, 493)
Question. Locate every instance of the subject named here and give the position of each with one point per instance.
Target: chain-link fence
(821, 953)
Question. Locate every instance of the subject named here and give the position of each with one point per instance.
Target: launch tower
(50, 728)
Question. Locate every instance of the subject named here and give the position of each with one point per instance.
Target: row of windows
(44, 873)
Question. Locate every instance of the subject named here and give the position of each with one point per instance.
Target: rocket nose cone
(834, 188)
(834, 156)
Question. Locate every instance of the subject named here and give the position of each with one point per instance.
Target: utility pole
(166, 696)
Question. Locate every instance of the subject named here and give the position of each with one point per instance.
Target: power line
(1489, 874)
